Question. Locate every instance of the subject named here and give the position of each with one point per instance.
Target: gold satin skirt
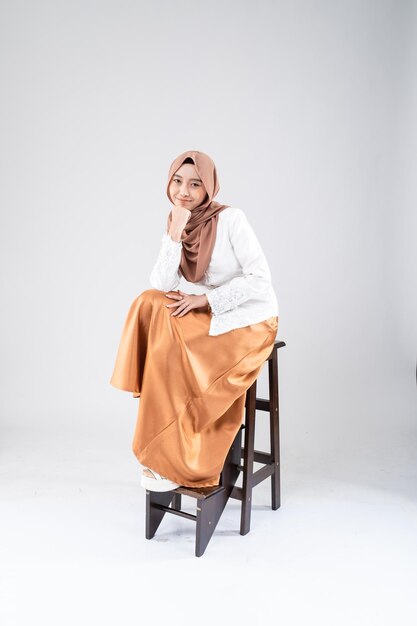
(192, 386)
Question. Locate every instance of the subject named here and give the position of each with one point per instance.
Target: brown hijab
(201, 228)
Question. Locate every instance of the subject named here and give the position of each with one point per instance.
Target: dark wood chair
(211, 501)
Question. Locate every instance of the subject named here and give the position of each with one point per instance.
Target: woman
(191, 358)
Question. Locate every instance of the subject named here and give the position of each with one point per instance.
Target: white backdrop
(308, 110)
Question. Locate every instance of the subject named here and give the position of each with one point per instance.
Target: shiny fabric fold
(191, 385)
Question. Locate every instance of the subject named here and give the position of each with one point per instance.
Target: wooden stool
(211, 501)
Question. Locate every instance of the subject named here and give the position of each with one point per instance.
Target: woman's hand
(186, 302)
(180, 217)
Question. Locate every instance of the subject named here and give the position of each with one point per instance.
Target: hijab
(201, 228)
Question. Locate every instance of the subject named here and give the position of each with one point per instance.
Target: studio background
(308, 111)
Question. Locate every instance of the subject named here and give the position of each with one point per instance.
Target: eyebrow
(198, 179)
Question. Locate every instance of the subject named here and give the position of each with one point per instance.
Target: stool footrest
(258, 457)
(168, 509)
(257, 477)
(262, 474)
(261, 404)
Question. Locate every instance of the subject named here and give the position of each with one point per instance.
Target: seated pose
(190, 358)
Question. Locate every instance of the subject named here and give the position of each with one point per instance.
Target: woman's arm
(256, 276)
(165, 274)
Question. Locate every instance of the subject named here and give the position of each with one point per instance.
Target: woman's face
(186, 187)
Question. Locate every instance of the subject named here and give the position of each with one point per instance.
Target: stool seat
(211, 501)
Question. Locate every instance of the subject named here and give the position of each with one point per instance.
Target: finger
(185, 311)
(180, 308)
(181, 305)
(178, 303)
(173, 297)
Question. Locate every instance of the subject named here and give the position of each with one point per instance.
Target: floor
(342, 549)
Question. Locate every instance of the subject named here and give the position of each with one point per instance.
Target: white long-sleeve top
(237, 279)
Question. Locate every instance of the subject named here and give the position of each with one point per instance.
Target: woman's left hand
(186, 302)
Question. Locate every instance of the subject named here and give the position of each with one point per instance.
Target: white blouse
(237, 280)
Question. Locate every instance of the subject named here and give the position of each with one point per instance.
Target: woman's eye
(176, 180)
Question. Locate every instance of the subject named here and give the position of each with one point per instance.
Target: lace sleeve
(228, 296)
(165, 274)
(256, 276)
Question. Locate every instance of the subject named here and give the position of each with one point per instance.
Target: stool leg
(209, 510)
(153, 514)
(274, 429)
(248, 459)
(176, 501)
(230, 471)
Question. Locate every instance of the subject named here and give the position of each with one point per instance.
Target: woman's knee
(151, 295)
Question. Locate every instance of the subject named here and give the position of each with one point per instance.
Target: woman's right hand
(180, 217)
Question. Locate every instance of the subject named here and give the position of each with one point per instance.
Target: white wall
(307, 110)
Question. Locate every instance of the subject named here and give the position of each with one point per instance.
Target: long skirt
(191, 385)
